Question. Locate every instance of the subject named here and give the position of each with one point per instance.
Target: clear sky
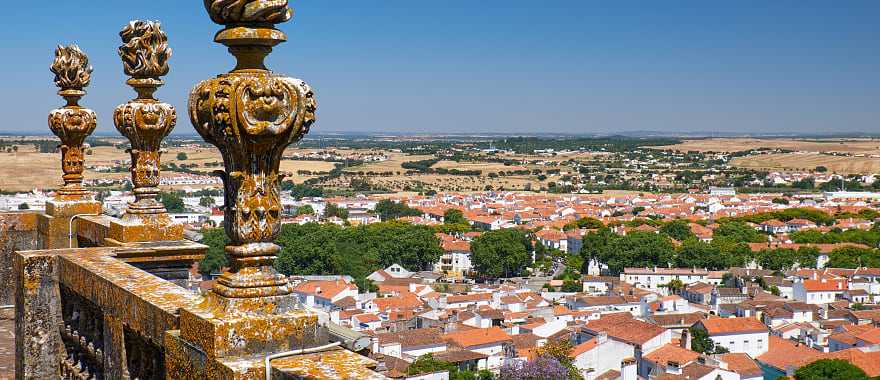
(508, 66)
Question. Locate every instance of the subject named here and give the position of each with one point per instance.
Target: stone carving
(251, 115)
(72, 123)
(145, 121)
(226, 12)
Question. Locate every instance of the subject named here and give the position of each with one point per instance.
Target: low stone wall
(18, 232)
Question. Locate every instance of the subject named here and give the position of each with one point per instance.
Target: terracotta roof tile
(717, 326)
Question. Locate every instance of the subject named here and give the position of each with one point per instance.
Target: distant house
(600, 355)
(654, 278)
(392, 272)
(745, 335)
(329, 295)
(819, 291)
(409, 343)
(493, 342)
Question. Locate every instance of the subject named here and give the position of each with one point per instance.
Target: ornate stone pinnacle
(72, 123)
(145, 121)
(251, 115)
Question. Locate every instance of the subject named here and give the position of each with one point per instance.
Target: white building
(738, 335)
(654, 278)
(820, 291)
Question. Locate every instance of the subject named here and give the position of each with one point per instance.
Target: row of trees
(728, 248)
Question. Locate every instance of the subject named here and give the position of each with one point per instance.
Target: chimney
(628, 370)
(602, 337)
(673, 367)
(686, 339)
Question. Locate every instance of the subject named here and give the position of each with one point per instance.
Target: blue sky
(496, 66)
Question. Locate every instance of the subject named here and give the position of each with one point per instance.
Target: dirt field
(809, 161)
(486, 167)
(855, 146)
(28, 169)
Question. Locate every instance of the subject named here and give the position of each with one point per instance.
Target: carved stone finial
(71, 68)
(251, 115)
(144, 50)
(227, 12)
(72, 123)
(145, 121)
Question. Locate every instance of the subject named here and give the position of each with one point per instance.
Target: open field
(486, 167)
(28, 169)
(854, 146)
(392, 164)
(809, 161)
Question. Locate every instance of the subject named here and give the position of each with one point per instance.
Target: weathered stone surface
(72, 123)
(37, 317)
(18, 231)
(220, 333)
(145, 303)
(145, 121)
(54, 225)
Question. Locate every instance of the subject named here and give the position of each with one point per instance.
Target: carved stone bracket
(72, 123)
(144, 120)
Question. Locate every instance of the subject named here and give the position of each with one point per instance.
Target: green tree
(426, 364)
(206, 201)
(389, 210)
(700, 342)
(830, 369)
(587, 222)
(24, 206)
(332, 209)
(182, 156)
(853, 257)
(697, 253)
(215, 258)
(501, 253)
(636, 249)
(677, 229)
(305, 210)
(300, 191)
(172, 200)
(739, 231)
(675, 285)
(454, 216)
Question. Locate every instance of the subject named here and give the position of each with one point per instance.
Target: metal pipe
(295, 352)
(70, 228)
(7, 307)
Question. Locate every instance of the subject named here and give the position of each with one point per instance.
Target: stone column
(72, 124)
(251, 115)
(145, 121)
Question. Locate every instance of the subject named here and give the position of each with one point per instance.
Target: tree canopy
(830, 369)
(454, 216)
(501, 253)
(390, 210)
(172, 200)
(677, 229)
(356, 251)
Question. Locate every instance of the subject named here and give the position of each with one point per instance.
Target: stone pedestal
(158, 227)
(54, 226)
(225, 338)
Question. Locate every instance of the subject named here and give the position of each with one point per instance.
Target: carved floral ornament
(227, 12)
(71, 68)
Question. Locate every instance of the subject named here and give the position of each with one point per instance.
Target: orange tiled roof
(478, 337)
(716, 326)
(673, 353)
